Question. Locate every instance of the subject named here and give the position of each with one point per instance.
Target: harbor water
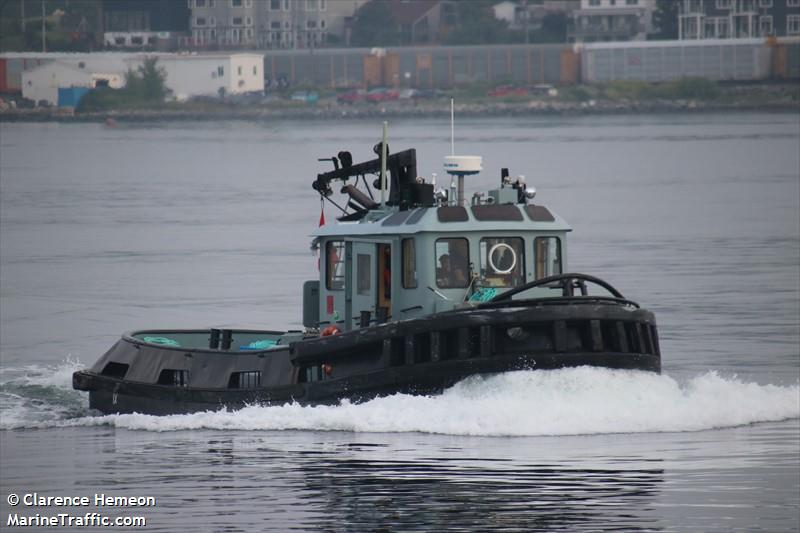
(695, 216)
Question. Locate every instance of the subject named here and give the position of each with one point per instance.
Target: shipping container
(71, 96)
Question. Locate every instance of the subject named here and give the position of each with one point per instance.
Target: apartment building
(268, 24)
(611, 20)
(738, 19)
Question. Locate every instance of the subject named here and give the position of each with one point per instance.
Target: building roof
(410, 11)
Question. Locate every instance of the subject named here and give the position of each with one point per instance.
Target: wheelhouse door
(363, 282)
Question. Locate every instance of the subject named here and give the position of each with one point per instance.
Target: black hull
(420, 356)
(118, 396)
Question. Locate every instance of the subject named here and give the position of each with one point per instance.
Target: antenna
(452, 128)
(458, 166)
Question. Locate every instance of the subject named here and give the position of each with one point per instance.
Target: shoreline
(332, 113)
(762, 98)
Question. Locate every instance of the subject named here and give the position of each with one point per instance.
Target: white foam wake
(559, 402)
(39, 395)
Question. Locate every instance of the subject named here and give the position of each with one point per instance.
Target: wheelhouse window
(502, 261)
(409, 264)
(334, 265)
(363, 273)
(547, 255)
(452, 263)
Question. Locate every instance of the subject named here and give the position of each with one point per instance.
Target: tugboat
(419, 288)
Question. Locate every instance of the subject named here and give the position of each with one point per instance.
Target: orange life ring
(330, 330)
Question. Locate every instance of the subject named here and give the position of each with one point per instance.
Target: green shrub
(579, 93)
(144, 87)
(693, 88)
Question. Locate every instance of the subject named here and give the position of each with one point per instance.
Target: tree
(144, 87)
(153, 81)
(477, 25)
(374, 25)
(554, 29)
(665, 18)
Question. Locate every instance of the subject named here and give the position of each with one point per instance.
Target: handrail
(567, 282)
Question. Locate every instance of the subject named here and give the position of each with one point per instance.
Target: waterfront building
(527, 14)
(611, 20)
(737, 19)
(266, 24)
(187, 75)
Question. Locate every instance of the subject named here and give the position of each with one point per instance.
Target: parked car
(544, 89)
(352, 97)
(382, 94)
(507, 90)
(308, 97)
(408, 94)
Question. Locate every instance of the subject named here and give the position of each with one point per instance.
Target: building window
(723, 4)
(275, 24)
(236, 3)
(311, 5)
(212, 21)
(200, 21)
(119, 41)
(764, 3)
(723, 28)
(452, 263)
(311, 24)
(237, 21)
(248, 21)
(409, 264)
(594, 2)
(792, 3)
(274, 5)
(255, 70)
(765, 25)
(323, 5)
(792, 24)
(220, 71)
(239, 70)
(334, 265)
(547, 255)
(286, 24)
(248, 3)
(502, 261)
(631, 2)
(322, 24)
(199, 3)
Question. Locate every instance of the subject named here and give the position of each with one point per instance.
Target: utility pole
(525, 14)
(44, 29)
(22, 14)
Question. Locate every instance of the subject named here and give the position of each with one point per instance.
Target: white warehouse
(188, 75)
(213, 74)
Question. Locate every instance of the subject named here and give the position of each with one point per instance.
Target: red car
(508, 90)
(382, 94)
(352, 97)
